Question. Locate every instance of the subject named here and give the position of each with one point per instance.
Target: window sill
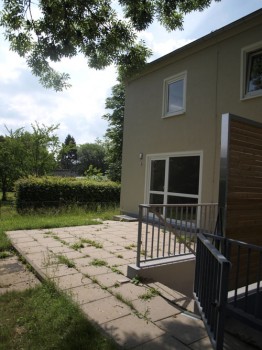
(174, 114)
(251, 95)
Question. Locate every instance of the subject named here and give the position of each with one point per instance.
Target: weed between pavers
(92, 243)
(124, 300)
(5, 254)
(77, 245)
(64, 260)
(130, 246)
(116, 270)
(136, 280)
(98, 262)
(151, 293)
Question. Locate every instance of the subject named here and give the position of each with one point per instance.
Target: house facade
(173, 111)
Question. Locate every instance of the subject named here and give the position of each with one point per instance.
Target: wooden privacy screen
(241, 184)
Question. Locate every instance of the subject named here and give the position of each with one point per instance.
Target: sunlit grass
(11, 220)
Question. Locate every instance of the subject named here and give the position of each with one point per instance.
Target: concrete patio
(144, 316)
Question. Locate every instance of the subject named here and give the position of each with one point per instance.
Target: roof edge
(154, 65)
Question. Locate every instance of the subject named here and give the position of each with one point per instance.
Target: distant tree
(11, 160)
(46, 31)
(114, 133)
(68, 153)
(23, 153)
(91, 154)
(44, 148)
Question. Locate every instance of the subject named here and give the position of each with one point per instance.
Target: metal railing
(245, 278)
(170, 230)
(210, 288)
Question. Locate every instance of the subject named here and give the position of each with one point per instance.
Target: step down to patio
(176, 273)
(125, 218)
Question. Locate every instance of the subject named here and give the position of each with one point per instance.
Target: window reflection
(175, 96)
(254, 71)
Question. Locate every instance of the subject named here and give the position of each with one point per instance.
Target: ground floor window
(173, 179)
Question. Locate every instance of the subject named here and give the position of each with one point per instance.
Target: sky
(79, 110)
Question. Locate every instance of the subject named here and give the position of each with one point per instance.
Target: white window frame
(245, 53)
(167, 82)
(163, 156)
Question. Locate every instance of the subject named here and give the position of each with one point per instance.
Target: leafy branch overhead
(46, 31)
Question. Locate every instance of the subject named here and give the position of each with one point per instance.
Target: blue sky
(78, 110)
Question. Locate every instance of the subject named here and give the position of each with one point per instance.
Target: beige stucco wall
(213, 87)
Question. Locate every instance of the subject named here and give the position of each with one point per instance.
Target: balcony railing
(170, 230)
(245, 278)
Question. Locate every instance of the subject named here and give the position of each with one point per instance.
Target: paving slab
(116, 248)
(96, 252)
(129, 291)
(58, 270)
(32, 243)
(91, 270)
(105, 310)
(73, 254)
(110, 279)
(184, 328)
(115, 261)
(87, 293)
(156, 308)
(130, 331)
(165, 342)
(60, 249)
(74, 280)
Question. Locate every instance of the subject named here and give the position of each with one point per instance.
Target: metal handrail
(169, 230)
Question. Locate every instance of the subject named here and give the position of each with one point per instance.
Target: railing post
(139, 235)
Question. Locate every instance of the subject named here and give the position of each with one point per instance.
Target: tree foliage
(68, 153)
(48, 30)
(91, 154)
(114, 133)
(23, 153)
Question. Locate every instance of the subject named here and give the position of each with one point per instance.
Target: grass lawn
(43, 318)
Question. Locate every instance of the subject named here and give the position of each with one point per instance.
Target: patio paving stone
(165, 342)
(61, 249)
(22, 239)
(115, 261)
(96, 252)
(116, 249)
(156, 308)
(75, 280)
(73, 254)
(130, 331)
(87, 293)
(129, 291)
(94, 270)
(184, 328)
(35, 249)
(110, 279)
(59, 270)
(27, 244)
(105, 310)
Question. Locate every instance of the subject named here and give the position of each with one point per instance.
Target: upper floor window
(174, 95)
(252, 71)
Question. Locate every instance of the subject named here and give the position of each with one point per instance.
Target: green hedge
(46, 192)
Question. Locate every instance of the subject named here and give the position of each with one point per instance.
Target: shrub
(48, 192)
